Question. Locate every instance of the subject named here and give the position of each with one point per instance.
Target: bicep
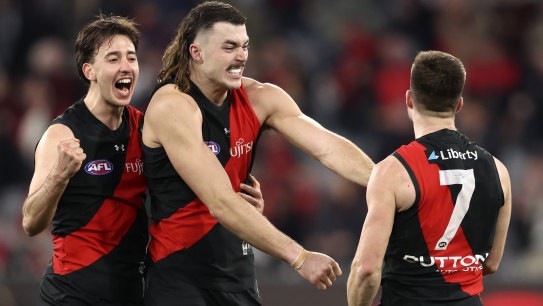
(178, 128)
(46, 154)
(504, 214)
(502, 223)
(298, 128)
(381, 201)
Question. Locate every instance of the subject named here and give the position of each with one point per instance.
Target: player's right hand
(320, 270)
(70, 157)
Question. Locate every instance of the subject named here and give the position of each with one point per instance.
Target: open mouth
(124, 85)
(235, 71)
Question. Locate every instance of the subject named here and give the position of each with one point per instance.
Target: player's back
(438, 247)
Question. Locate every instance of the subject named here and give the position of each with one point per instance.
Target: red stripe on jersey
(181, 230)
(435, 209)
(114, 218)
(244, 130)
(191, 223)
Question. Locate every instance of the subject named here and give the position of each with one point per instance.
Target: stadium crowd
(347, 65)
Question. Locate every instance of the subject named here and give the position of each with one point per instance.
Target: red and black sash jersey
(438, 247)
(99, 228)
(186, 241)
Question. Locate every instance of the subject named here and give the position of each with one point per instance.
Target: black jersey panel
(99, 229)
(438, 246)
(100, 171)
(186, 241)
(459, 152)
(218, 270)
(120, 271)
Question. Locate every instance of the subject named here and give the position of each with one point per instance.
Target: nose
(242, 54)
(126, 64)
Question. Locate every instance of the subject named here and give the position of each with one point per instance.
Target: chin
(121, 102)
(233, 85)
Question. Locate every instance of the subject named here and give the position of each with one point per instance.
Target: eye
(112, 59)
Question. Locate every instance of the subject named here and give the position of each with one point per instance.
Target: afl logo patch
(99, 167)
(214, 147)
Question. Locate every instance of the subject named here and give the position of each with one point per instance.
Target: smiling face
(219, 55)
(114, 71)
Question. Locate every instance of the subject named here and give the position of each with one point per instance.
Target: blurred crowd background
(346, 63)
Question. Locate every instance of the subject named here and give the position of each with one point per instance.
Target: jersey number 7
(466, 178)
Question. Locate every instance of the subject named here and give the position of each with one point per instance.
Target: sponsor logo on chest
(214, 147)
(240, 148)
(99, 167)
(104, 167)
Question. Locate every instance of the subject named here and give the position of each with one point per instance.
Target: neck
(212, 91)
(425, 125)
(110, 115)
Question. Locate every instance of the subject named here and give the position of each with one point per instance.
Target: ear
(194, 50)
(88, 71)
(409, 99)
(459, 105)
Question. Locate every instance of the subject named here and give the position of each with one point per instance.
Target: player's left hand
(252, 193)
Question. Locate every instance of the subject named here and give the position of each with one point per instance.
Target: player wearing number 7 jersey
(438, 208)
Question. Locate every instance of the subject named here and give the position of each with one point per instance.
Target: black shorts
(56, 290)
(474, 300)
(190, 295)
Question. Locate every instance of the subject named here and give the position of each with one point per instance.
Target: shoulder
(388, 168)
(269, 100)
(503, 173)
(389, 175)
(502, 170)
(58, 131)
(54, 133)
(168, 100)
(259, 90)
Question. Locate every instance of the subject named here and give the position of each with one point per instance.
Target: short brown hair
(437, 81)
(94, 34)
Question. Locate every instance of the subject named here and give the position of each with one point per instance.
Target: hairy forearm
(362, 288)
(40, 206)
(346, 159)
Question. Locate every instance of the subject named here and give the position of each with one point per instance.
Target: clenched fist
(319, 269)
(70, 157)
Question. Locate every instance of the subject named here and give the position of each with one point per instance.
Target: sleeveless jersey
(99, 228)
(187, 243)
(438, 246)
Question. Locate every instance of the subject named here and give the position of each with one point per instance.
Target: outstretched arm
(173, 120)
(334, 151)
(50, 178)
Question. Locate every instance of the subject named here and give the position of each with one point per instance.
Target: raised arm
(334, 151)
(174, 121)
(50, 178)
(504, 215)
